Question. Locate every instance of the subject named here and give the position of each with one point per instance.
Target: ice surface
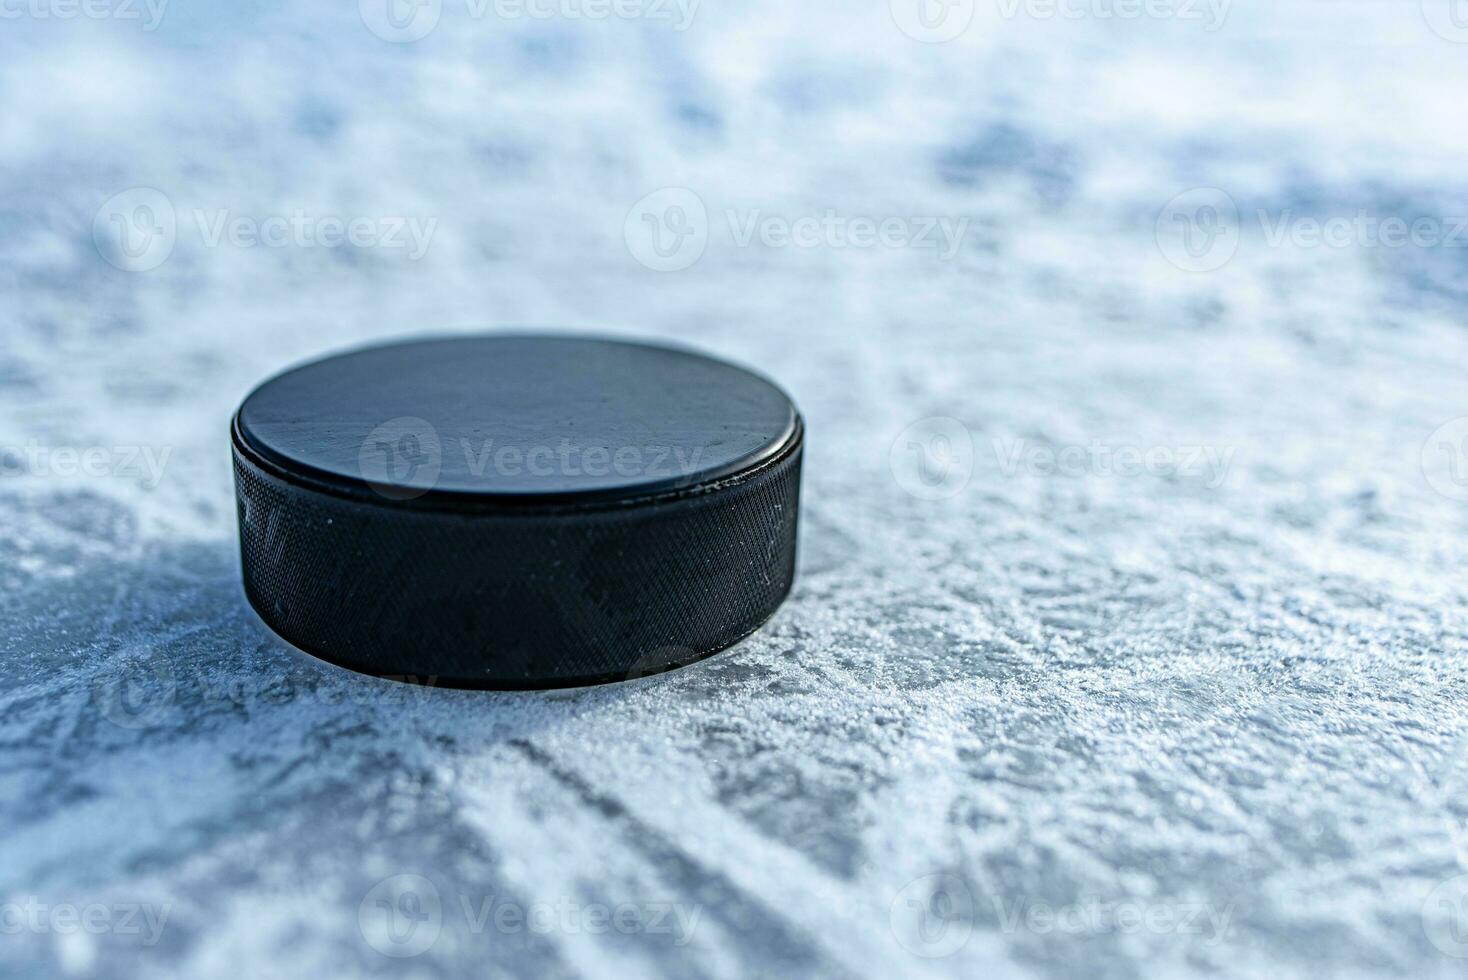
(1103, 725)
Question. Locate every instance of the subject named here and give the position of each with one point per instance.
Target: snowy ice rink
(1130, 632)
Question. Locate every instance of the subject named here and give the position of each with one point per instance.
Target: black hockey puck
(517, 511)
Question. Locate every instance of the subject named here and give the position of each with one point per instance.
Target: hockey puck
(515, 511)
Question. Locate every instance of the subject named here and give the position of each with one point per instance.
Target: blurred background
(1129, 638)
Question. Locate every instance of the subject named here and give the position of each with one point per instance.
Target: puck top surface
(538, 418)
